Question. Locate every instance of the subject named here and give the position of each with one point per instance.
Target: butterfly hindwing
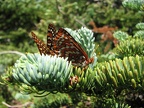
(43, 49)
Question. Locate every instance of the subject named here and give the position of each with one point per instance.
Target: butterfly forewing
(68, 47)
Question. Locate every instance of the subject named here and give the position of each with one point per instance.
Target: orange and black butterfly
(61, 43)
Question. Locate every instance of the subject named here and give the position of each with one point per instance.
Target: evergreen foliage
(107, 83)
(130, 47)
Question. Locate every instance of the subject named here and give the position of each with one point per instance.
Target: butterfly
(61, 43)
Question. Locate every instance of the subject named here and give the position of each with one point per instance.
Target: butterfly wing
(68, 47)
(43, 49)
(50, 35)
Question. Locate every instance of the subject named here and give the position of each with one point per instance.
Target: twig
(80, 22)
(59, 8)
(17, 106)
(12, 52)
